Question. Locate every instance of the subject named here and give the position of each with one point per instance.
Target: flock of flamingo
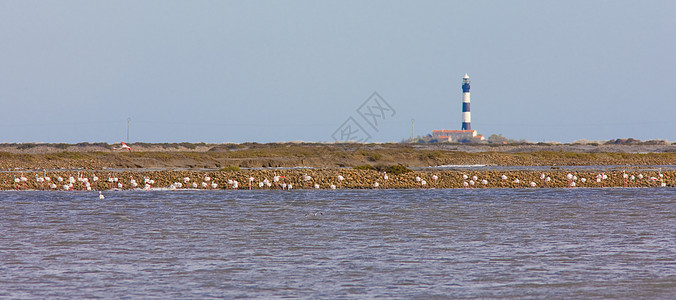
(81, 182)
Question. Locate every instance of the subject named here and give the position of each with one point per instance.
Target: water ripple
(530, 243)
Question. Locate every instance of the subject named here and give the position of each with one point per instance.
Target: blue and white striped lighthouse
(466, 118)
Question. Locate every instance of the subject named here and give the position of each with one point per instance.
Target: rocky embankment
(325, 178)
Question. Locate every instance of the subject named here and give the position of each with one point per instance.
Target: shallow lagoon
(523, 243)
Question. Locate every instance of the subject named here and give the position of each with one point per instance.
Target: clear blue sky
(265, 71)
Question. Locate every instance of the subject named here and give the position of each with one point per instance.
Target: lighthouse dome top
(466, 76)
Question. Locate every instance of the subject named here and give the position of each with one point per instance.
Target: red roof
(451, 131)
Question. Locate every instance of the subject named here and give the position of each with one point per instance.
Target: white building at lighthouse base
(455, 136)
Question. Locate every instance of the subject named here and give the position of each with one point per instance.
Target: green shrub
(230, 169)
(397, 169)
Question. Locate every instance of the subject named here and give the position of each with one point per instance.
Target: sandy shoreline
(329, 156)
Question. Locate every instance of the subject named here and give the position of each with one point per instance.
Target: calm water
(529, 243)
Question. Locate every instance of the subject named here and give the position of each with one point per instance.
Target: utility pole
(412, 129)
(128, 120)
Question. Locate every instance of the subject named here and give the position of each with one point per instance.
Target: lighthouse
(466, 134)
(466, 118)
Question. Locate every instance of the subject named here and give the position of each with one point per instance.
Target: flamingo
(385, 178)
(465, 184)
(251, 180)
(214, 185)
(23, 181)
(533, 184)
(275, 179)
(423, 183)
(375, 185)
(471, 183)
(484, 182)
(340, 181)
(307, 179)
(333, 186)
(101, 197)
(125, 146)
(71, 181)
(40, 180)
(316, 186)
(435, 177)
